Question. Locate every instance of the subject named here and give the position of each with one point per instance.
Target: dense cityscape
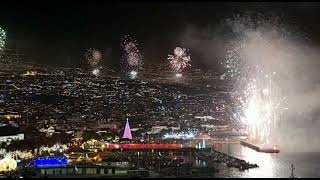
(91, 90)
(72, 112)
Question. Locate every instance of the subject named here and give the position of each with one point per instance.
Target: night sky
(59, 32)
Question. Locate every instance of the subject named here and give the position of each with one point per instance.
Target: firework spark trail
(179, 60)
(131, 57)
(93, 56)
(2, 38)
(250, 61)
(2, 41)
(260, 104)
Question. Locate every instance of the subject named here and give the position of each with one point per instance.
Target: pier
(258, 149)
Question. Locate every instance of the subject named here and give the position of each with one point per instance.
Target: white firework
(131, 57)
(179, 60)
(252, 61)
(93, 56)
(3, 37)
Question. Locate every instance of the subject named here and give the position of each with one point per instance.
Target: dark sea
(306, 165)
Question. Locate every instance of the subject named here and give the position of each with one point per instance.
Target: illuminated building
(89, 171)
(158, 129)
(189, 135)
(9, 133)
(51, 162)
(10, 115)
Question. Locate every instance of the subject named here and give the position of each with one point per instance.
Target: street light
(152, 158)
(159, 162)
(228, 131)
(138, 158)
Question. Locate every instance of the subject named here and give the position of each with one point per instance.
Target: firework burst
(252, 61)
(179, 60)
(2, 38)
(131, 57)
(259, 100)
(93, 56)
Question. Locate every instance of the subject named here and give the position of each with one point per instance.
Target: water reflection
(200, 163)
(264, 160)
(272, 165)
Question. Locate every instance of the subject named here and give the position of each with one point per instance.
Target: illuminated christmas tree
(127, 131)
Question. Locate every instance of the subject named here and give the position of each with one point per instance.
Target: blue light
(51, 162)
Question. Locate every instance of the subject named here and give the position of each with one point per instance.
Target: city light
(178, 75)
(189, 135)
(96, 72)
(133, 74)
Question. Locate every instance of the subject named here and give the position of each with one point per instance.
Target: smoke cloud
(276, 47)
